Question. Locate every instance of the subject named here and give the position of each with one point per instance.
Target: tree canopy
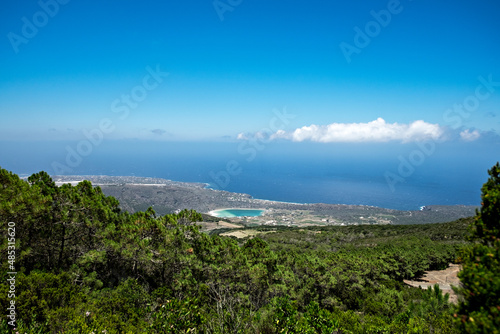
(479, 312)
(84, 265)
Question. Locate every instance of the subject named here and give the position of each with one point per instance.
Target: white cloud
(374, 131)
(242, 136)
(467, 135)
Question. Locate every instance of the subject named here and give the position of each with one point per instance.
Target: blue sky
(231, 63)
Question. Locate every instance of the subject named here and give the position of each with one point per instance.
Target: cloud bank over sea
(374, 131)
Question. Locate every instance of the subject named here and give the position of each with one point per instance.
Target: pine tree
(479, 311)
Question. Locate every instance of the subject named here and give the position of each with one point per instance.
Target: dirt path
(445, 278)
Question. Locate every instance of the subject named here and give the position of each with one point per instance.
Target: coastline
(166, 196)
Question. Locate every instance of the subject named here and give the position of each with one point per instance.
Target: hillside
(85, 265)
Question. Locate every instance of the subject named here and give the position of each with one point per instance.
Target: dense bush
(84, 266)
(479, 312)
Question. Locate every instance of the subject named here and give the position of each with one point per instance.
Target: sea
(396, 176)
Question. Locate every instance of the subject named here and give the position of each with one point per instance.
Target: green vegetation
(86, 266)
(480, 310)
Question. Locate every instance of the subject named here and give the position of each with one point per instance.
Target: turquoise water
(237, 213)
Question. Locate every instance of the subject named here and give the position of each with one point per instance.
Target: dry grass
(245, 233)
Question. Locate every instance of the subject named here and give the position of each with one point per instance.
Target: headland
(166, 196)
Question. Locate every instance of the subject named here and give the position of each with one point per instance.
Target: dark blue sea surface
(393, 176)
